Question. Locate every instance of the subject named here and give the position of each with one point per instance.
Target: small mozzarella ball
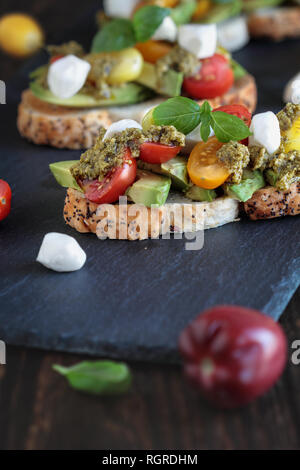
(167, 31)
(290, 87)
(120, 8)
(192, 139)
(199, 39)
(120, 126)
(266, 131)
(233, 34)
(67, 76)
(61, 253)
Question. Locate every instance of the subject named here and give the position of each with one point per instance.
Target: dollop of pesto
(287, 116)
(259, 157)
(107, 154)
(235, 157)
(166, 135)
(71, 47)
(96, 83)
(180, 60)
(286, 167)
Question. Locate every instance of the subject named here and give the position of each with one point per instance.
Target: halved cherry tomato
(55, 58)
(203, 166)
(152, 152)
(114, 184)
(214, 78)
(152, 51)
(240, 111)
(5, 199)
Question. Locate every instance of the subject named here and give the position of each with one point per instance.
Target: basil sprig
(121, 33)
(186, 114)
(97, 378)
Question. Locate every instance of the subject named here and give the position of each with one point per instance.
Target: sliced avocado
(200, 194)
(169, 85)
(128, 93)
(271, 177)
(176, 169)
(62, 174)
(252, 181)
(183, 13)
(149, 189)
(238, 70)
(251, 5)
(222, 12)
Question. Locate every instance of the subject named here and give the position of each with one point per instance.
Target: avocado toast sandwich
(207, 164)
(129, 70)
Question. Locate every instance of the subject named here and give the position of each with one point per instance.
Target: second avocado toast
(126, 73)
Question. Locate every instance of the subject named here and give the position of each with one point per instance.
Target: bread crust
(62, 127)
(269, 202)
(58, 126)
(280, 23)
(85, 216)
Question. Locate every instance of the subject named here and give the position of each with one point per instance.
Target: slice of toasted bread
(62, 127)
(133, 222)
(269, 202)
(275, 23)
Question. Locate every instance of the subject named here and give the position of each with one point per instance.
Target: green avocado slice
(170, 84)
(252, 181)
(149, 189)
(200, 194)
(62, 174)
(128, 93)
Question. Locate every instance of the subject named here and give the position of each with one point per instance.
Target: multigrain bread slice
(275, 23)
(138, 222)
(62, 127)
(270, 202)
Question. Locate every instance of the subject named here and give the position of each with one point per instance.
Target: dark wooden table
(39, 411)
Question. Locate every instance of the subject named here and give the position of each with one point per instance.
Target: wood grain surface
(39, 411)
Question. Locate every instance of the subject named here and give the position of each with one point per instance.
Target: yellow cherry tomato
(292, 137)
(20, 34)
(128, 65)
(160, 3)
(148, 120)
(203, 7)
(152, 51)
(204, 168)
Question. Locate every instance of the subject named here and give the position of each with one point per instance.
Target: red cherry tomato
(240, 111)
(152, 152)
(114, 184)
(214, 78)
(55, 58)
(233, 354)
(5, 199)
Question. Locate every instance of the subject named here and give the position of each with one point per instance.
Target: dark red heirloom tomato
(233, 354)
(240, 111)
(114, 184)
(214, 78)
(5, 199)
(152, 152)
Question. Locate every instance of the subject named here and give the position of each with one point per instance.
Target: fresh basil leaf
(180, 112)
(114, 36)
(97, 378)
(205, 127)
(184, 12)
(238, 69)
(228, 127)
(206, 108)
(146, 21)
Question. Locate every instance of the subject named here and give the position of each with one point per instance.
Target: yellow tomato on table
(204, 168)
(20, 34)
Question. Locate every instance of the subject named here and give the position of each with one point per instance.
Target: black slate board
(132, 299)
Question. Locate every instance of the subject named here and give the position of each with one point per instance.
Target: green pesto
(71, 47)
(105, 155)
(259, 157)
(286, 167)
(235, 157)
(287, 116)
(166, 135)
(101, 67)
(180, 60)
